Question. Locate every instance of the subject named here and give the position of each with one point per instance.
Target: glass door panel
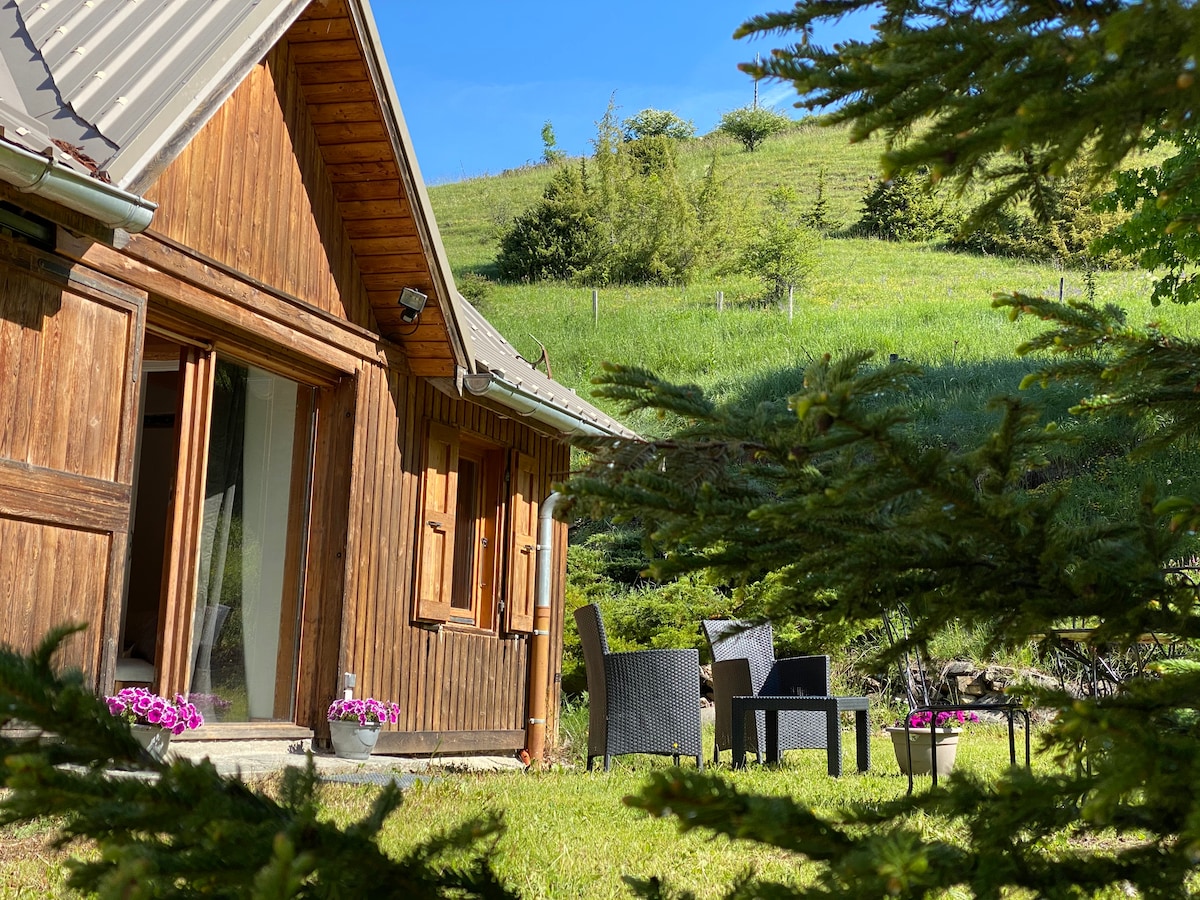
(251, 546)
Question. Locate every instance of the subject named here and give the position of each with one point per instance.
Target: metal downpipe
(539, 662)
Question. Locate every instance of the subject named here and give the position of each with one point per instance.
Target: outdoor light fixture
(411, 303)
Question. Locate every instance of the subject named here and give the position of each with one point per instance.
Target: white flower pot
(352, 740)
(919, 749)
(156, 740)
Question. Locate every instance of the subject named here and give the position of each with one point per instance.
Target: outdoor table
(831, 706)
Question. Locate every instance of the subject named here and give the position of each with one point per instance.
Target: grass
(569, 834)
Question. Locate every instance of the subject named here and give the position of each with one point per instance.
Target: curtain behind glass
(237, 666)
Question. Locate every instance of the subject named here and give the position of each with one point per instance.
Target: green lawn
(570, 835)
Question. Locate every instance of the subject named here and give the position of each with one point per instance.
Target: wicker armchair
(744, 665)
(646, 701)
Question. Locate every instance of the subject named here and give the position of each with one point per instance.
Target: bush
(781, 254)
(657, 123)
(751, 125)
(558, 237)
(902, 209)
(475, 287)
(1070, 232)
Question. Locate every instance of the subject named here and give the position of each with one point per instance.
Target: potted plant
(154, 719)
(354, 725)
(927, 730)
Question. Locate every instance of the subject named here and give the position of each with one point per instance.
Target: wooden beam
(403, 742)
(349, 70)
(365, 152)
(433, 368)
(326, 51)
(309, 29)
(373, 189)
(320, 95)
(350, 133)
(341, 109)
(216, 295)
(357, 171)
(58, 498)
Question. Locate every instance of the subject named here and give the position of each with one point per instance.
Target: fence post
(791, 301)
(595, 307)
(720, 301)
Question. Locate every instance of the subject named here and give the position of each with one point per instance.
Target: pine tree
(831, 496)
(183, 830)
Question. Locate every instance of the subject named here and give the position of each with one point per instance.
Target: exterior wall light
(411, 303)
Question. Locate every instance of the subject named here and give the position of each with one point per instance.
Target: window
(478, 527)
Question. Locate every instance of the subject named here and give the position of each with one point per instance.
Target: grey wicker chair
(744, 665)
(644, 701)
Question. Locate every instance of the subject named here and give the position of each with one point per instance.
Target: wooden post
(720, 301)
(791, 301)
(595, 307)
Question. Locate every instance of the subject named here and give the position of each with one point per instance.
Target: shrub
(901, 208)
(817, 217)
(558, 237)
(657, 123)
(474, 287)
(751, 125)
(781, 254)
(550, 151)
(1068, 230)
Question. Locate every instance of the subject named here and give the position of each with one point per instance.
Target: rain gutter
(33, 173)
(493, 386)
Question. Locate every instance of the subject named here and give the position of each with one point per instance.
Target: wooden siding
(447, 680)
(252, 192)
(360, 142)
(294, 182)
(68, 366)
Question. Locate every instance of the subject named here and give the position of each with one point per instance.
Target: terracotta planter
(352, 740)
(156, 740)
(920, 749)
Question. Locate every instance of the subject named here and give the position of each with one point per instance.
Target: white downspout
(539, 662)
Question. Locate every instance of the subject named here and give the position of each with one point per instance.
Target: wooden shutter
(522, 563)
(439, 499)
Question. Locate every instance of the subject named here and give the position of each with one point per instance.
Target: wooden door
(69, 345)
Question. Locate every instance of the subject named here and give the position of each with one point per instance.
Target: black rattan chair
(644, 701)
(744, 665)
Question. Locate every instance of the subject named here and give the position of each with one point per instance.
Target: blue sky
(477, 80)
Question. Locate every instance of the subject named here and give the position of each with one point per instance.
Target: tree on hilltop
(657, 123)
(751, 125)
(833, 498)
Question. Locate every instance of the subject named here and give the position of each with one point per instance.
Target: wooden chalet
(232, 441)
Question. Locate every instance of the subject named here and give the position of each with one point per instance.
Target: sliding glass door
(252, 543)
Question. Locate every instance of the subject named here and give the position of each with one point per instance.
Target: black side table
(831, 706)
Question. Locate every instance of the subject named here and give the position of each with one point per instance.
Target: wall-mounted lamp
(411, 303)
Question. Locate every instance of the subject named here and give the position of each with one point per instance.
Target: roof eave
(462, 345)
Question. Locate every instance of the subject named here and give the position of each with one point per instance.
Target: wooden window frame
(478, 576)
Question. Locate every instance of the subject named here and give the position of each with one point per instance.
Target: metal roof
(496, 355)
(125, 76)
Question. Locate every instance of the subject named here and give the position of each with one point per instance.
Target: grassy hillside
(919, 302)
(470, 213)
(916, 301)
